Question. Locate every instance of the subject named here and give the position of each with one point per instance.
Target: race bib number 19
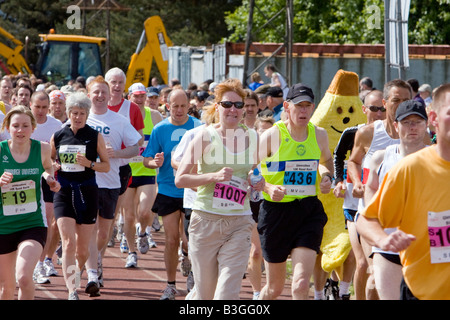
(19, 198)
(439, 234)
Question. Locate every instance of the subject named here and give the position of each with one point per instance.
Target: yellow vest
(294, 165)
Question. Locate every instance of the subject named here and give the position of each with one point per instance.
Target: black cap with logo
(300, 92)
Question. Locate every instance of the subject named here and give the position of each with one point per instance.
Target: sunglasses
(229, 104)
(375, 109)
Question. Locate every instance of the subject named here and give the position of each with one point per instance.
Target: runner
(23, 226)
(76, 148)
(414, 199)
(411, 124)
(117, 132)
(295, 157)
(374, 110)
(169, 200)
(221, 221)
(368, 139)
(46, 126)
(140, 195)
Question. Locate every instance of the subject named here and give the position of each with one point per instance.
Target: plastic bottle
(255, 177)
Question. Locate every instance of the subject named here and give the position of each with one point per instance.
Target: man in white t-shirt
(46, 126)
(116, 130)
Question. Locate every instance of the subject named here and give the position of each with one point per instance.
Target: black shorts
(10, 242)
(47, 194)
(107, 201)
(64, 207)
(165, 205)
(254, 206)
(125, 177)
(284, 226)
(141, 181)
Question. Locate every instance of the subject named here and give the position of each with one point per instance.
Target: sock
(344, 288)
(319, 295)
(92, 275)
(171, 283)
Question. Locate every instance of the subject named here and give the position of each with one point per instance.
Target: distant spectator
(256, 81)
(366, 84)
(414, 83)
(425, 92)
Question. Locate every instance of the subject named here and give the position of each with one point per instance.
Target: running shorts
(10, 242)
(165, 205)
(284, 226)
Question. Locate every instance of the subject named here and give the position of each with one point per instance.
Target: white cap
(137, 88)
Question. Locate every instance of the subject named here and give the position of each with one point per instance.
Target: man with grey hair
(116, 79)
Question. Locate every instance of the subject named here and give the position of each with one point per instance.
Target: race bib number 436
(19, 198)
(300, 177)
(439, 234)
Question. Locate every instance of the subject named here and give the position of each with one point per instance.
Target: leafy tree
(336, 21)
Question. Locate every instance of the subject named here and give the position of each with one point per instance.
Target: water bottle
(255, 177)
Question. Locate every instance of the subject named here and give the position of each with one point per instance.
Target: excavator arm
(156, 47)
(15, 62)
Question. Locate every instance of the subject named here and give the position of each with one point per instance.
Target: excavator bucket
(153, 44)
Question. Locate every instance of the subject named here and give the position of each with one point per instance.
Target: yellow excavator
(153, 44)
(15, 62)
(61, 57)
(65, 57)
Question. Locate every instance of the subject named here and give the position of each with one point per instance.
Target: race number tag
(68, 157)
(19, 198)
(300, 177)
(439, 233)
(230, 194)
(139, 158)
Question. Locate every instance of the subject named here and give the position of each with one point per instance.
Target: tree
(336, 21)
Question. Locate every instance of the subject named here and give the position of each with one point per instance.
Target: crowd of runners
(217, 165)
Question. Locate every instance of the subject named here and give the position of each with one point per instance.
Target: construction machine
(64, 57)
(15, 62)
(153, 44)
(61, 57)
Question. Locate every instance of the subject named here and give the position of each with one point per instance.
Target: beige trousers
(219, 248)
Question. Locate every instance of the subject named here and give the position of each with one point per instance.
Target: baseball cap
(137, 88)
(409, 107)
(274, 92)
(152, 91)
(299, 93)
(202, 95)
(57, 94)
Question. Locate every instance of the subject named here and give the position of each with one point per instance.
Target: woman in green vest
(297, 165)
(23, 226)
(218, 161)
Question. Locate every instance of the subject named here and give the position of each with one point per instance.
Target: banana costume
(339, 109)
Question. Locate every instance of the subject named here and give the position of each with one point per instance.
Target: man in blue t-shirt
(169, 201)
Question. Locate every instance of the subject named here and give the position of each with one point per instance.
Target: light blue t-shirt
(165, 138)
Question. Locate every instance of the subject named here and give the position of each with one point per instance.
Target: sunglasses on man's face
(375, 109)
(229, 104)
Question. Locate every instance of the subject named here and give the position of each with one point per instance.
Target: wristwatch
(92, 164)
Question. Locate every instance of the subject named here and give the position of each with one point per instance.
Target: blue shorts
(141, 181)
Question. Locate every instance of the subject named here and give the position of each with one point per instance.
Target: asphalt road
(146, 282)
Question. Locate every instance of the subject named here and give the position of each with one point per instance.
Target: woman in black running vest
(76, 148)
